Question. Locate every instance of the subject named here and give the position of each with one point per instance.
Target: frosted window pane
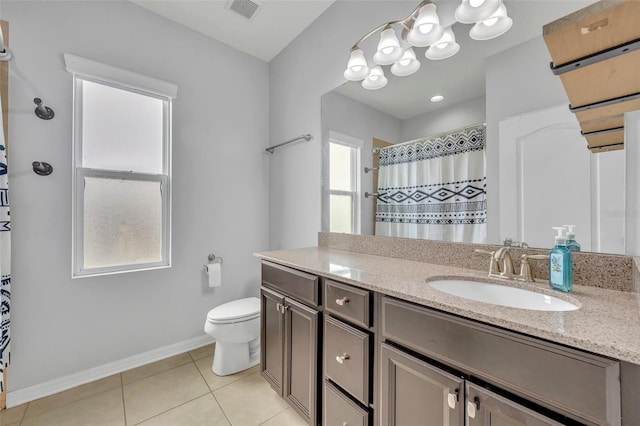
(341, 213)
(340, 164)
(121, 130)
(122, 222)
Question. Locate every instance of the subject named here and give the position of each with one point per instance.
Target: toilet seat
(235, 311)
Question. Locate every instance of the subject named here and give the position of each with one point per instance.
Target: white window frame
(87, 70)
(356, 193)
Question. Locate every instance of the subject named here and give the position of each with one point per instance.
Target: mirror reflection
(523, 182)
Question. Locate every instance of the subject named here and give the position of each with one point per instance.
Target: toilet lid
(235, 310)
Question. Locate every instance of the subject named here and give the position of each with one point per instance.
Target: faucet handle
(526, 272)
(494, 266)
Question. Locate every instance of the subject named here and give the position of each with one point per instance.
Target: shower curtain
(5, 260)
(434, 188)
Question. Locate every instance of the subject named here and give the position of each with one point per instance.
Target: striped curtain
(434, 188)
(5, 261)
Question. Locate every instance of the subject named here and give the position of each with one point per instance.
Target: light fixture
(492, 27)
(375, 80)
(357, 68)
(472, 11)
(444, 48)
(389, 49)
(406, 65)
(436, 98)
(422, 28)
(426, 28)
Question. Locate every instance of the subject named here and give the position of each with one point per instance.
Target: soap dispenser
(572, 244)
(560, 264)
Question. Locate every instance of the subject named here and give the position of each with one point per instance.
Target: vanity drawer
(297, 284)
(346, 358)
(350, 303)
(340, 410)
(537, 370)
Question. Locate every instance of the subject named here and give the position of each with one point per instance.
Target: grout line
(224, 413)
(24, 413)
(275, 415)
(154, 374)
(124, 407)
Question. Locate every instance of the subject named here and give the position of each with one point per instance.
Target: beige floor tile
(103, 409)
(202, 352)
(155, 368)
(249, 401)
(288, 417)
(216, 382)
(203, 411)
(156, 394)
(78, 393)
(12, 415)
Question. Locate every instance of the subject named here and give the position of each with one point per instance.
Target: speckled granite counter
(607, 323)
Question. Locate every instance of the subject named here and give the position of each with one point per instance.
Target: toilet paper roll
(214, 271)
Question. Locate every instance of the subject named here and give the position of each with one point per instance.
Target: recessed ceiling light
(437, 98)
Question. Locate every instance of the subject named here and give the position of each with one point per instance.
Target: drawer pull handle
(278, 307)
(452, 398)
(473, 407)
(340, 359)
(341, 302)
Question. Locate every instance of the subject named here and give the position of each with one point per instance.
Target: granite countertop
(607, 323)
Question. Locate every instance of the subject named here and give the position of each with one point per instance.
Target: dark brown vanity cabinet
(348, 355)
(494, 377)
(289, 337)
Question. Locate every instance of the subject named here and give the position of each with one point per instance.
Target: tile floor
(177, 391)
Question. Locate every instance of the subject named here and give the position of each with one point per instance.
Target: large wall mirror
(502, 83)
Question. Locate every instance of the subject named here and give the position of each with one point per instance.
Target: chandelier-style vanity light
(422, 28)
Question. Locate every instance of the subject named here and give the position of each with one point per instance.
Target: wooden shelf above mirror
(596, 53)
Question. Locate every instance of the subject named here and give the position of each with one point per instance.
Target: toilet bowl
(236, 327)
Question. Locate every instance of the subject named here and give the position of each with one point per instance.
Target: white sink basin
(502, 295)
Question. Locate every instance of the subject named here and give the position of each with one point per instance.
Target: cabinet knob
(279, 307)
(473, 407)
(342, 301)
(452, 398)
(340, 359)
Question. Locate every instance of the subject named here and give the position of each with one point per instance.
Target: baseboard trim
(41, 390)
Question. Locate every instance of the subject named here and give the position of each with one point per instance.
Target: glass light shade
(375, 80)
(444, 48)
(357, 68)
(426, 29)
(492, 27)
(389, 49)
(406, 65)
(472, 11)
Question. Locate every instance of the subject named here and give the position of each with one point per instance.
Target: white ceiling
(281, 20)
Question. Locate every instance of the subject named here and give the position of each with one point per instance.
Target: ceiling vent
(245, 8)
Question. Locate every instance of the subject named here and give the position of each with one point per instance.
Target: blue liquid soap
(560, 264)
(572, 244)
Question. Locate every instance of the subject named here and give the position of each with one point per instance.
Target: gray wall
(442, 120)
(62, 326)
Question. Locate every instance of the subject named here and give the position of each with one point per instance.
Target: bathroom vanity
(366, 341)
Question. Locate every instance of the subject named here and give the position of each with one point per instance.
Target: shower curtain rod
(306, 137)
(436, 135)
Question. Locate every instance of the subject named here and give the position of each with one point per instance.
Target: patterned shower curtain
(434, 188)
(5, 260)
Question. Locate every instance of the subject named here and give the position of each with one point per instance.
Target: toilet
(236, 327)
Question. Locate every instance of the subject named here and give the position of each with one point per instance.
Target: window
(344, 184)
(122, 179)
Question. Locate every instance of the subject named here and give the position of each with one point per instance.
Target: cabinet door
(485, 408)
(301, 358)
(272, 338)
(415, 393)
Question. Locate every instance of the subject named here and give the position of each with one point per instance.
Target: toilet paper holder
(212, 259)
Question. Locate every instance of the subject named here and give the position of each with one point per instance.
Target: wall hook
(42, 111)
(41, 168)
